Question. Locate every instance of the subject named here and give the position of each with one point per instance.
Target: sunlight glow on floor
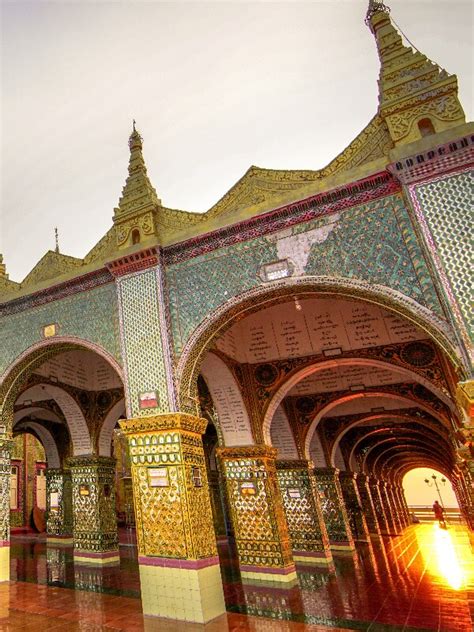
(437, 548)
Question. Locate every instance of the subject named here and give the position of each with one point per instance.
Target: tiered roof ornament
(134, 218)
(3, 269)
(416, 96)
(5, 284)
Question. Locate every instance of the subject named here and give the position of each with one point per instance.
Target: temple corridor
(420, 580)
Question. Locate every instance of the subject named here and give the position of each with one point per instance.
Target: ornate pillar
(465, 399)
(217, 503)
(467, 493)
(334, 512)
(93, 505)
(59, 522)
(256, 508)
(5, 447)
(368, 505)
(308, 535)
(179, 567)
(379, 506)
(404, 513)
(390, 510)
(350, 494)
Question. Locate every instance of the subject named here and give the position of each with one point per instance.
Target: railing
(424, 513)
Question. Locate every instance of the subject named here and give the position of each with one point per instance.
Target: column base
(57, 540)
(268, 573)
(94, 558)
(4, 561)
(188, 590)
(344, 546)
(312, 557)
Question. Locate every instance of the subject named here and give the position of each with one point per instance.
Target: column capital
(300, 464)
(164, 421)
(347, 474)
(247, 452)
(88, 460)
(465, 398)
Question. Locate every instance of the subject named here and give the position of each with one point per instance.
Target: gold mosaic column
(368, 506)
(353, 504)
(179, 567)
(402, 507)
(466, 482)
(390, 508)
(217, 504)
(309, 538)
(5, 447)
(59, 523)
(379, 506)
(257, 514)
(334, 511)
(93, 505)
(465, 399)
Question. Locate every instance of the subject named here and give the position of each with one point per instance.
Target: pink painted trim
(103, 556)
(248, 568)
(4, 543)
(174, 563)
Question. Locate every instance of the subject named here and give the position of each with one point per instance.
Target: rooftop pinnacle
(416, 96)
(134, 216)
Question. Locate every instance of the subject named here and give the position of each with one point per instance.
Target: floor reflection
(419, 581)
(437, 547)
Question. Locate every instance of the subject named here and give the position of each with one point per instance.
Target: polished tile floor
(422, 580)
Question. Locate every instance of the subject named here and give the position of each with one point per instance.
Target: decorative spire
(3, 269)
(134, 216)
(56, 240)
(415, 95)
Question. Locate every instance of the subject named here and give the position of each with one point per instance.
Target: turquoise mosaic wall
(91, 315)
(374, 242)
(447, 206)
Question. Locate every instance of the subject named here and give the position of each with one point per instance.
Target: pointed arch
(271, 293)
(33, 357)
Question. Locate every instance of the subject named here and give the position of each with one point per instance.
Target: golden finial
(375, 7)
(135, 139)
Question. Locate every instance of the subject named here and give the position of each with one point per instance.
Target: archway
(70, 393)
(315, 371)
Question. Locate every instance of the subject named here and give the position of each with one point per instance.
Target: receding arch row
(415, 455)
(382, 430)
(385, 447)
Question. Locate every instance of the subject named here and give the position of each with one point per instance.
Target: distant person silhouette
(439, 514)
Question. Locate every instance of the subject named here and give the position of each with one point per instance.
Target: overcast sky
(214, 87)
